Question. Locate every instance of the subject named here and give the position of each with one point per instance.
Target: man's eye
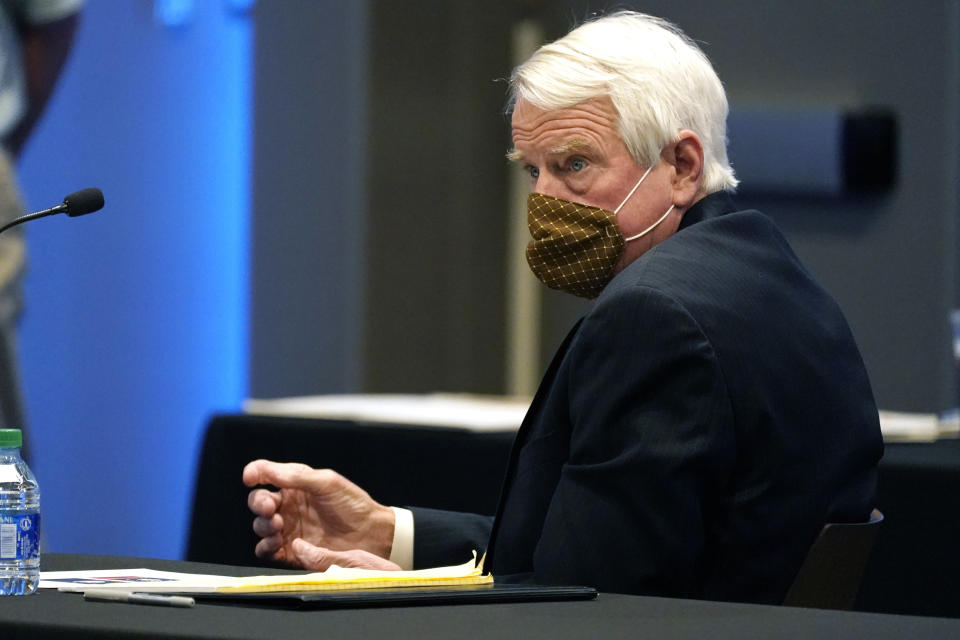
(534, 172)
(578, 164)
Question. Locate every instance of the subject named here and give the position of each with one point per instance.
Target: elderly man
(705, 418)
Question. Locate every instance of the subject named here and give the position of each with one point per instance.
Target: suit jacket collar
(711, 206)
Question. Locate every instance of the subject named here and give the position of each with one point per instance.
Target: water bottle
(955, 329)
(19, 519)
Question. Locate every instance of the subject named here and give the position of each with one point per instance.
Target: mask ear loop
(654, 225)
(651, 227)
(642, 178)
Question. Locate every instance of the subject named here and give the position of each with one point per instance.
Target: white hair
(658, 79)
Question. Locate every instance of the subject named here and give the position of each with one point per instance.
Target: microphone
(76, 204)
(83, 202)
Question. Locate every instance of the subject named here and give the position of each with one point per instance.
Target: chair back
(830, 576)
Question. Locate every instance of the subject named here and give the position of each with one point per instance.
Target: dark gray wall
(888, 260)
(426, 195)
(378, 196)
(437, 183)
(308, 197)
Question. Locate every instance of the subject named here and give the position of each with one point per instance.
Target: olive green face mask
(575, 247)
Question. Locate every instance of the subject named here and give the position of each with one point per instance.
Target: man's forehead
(563, 130)
(526, 114)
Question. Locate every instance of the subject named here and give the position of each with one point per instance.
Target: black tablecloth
(50, 614)
(914, 568)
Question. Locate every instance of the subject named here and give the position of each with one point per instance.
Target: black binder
(401, 596)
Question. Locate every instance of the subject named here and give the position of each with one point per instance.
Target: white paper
(146, 580)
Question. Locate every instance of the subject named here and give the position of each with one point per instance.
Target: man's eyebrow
(574, 144)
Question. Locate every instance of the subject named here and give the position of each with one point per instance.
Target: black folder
(401, 596)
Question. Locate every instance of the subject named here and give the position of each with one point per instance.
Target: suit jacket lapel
(524, 433)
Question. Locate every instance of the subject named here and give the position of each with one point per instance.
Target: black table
(50, 614)
(915, 566)
(914, 569)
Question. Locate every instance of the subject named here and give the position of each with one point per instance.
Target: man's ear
(685, 156)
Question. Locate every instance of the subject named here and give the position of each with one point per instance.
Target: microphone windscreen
(84, 201)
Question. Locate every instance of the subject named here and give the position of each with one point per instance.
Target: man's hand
(317, 518)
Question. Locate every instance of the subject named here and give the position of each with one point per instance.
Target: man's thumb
(311, 556)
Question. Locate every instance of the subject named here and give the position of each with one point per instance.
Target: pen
(115, 595)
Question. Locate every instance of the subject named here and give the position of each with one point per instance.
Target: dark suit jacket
(693, 433)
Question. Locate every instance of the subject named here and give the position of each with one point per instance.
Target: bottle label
(9, 473)
(20, 536)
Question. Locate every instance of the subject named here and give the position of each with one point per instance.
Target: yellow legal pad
(339, 578)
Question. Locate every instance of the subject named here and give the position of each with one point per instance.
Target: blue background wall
(135, 327)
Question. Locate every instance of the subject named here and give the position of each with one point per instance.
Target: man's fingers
(291, 475)
(251, 473)
(263, 503)
(254, 471)
(270, 548)
(266, 527)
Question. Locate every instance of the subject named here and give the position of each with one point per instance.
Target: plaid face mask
(576, 247)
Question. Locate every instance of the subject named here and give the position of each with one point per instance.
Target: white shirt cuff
(402, 551)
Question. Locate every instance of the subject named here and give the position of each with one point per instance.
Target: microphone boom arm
(60, 208)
